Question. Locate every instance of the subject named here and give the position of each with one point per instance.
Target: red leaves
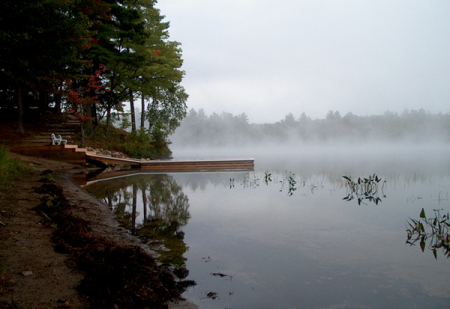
(89, 93)
(75, 113)
(157, 52)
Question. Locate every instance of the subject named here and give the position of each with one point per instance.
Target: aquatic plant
(286, 180)
(291, 181)
(365, 189)
(434, 230)
(267, 177)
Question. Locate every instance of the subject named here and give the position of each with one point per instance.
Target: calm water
(284, 237)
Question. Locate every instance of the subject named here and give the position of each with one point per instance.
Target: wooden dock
(112, 160)
(199, 165)
(246, 164)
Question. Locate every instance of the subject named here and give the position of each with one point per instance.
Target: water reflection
(287, 238)
(153, 207)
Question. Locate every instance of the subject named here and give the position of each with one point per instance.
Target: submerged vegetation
(9, 168)
(364, 189)
(433, 230)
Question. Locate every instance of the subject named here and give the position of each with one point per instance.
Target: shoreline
(93, 248)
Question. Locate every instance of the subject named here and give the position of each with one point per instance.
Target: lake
(293, 233)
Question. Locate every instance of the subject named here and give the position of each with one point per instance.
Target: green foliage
(141, 62)
(436, 232)
(140, 145)
(125, 123)
(161, 145)
(9, 168)
(167, 110)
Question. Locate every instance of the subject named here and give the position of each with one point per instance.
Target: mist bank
(228, 130)
(340, 159)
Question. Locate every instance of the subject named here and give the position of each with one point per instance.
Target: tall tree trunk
(94, 114)
(88, 112)
(20, 128)
(42, 101)
(109, 107)
(58, 101)
(108, 114)
(133, 213)
(150, 122)
(82, 125)
(144, 201)
(108, 120)
(143, 112)
(133, 116)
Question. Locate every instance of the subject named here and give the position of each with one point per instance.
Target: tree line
(90, 57)
(226, 129)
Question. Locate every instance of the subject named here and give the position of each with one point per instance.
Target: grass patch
(10, 168)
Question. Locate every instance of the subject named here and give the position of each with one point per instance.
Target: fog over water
(413, 141)
(412, 162)
(226, 129)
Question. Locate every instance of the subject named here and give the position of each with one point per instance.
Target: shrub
(139, 145)
(161, 145)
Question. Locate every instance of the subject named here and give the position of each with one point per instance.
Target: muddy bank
(96, 263)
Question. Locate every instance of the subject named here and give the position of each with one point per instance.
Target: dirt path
(110, 268)
(32, 274)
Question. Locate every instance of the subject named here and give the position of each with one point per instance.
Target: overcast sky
(268, 58)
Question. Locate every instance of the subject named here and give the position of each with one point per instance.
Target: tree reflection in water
(153, 207)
